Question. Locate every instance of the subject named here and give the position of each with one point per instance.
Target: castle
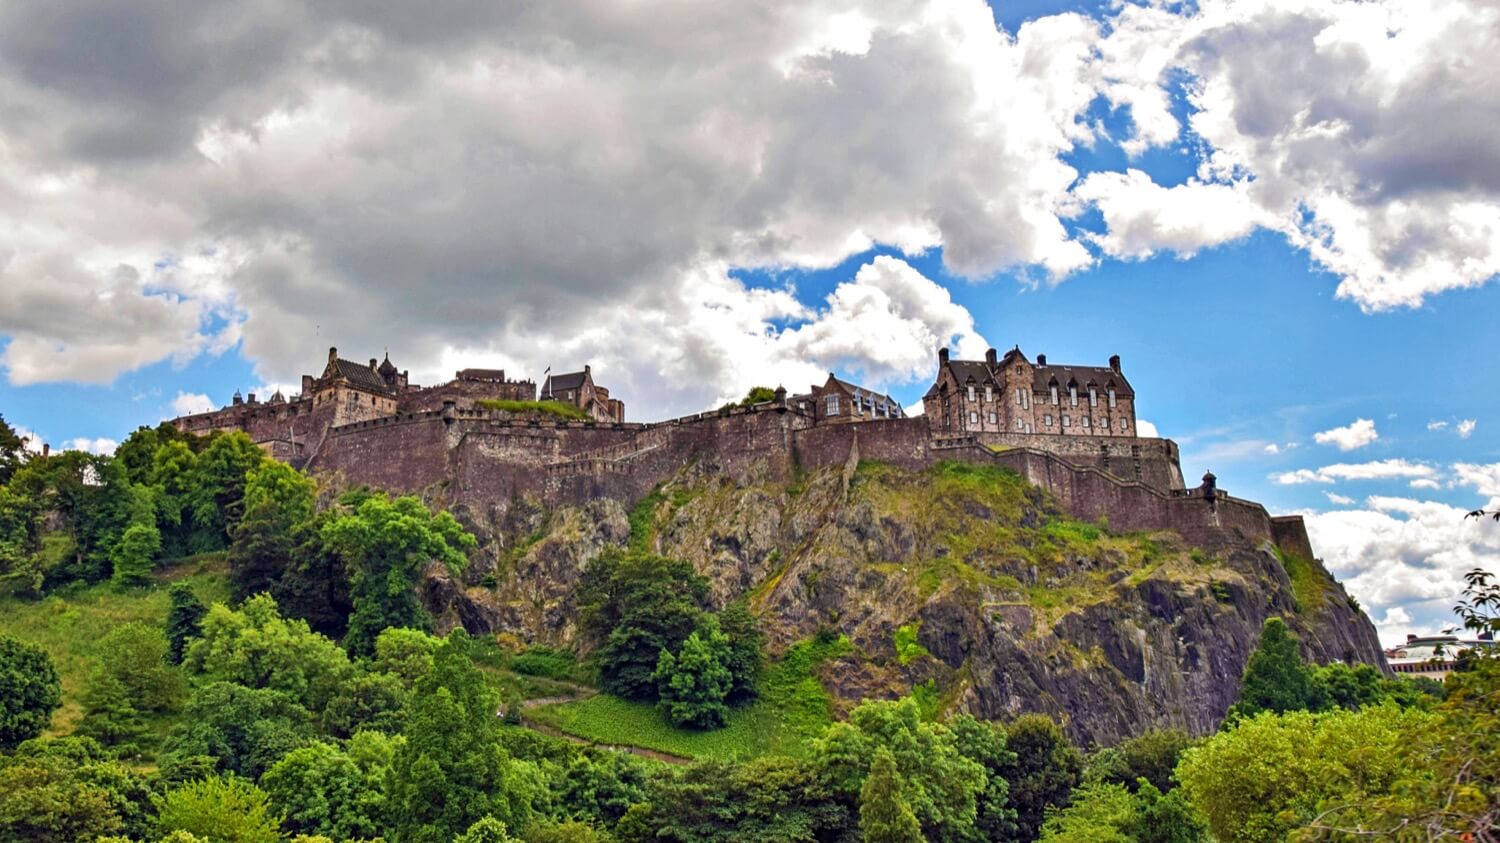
(1071, 430)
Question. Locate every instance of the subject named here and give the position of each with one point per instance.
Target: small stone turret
(781, 397)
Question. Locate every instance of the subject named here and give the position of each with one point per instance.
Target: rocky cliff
(964, 580)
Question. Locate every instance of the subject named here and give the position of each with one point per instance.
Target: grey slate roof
(1100, 376)
(561, 383)
(360, 375)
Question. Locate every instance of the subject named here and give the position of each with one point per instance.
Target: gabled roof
(558, 383)
(358, 374)
(965, 370)
(1101, 376)
(856, 389)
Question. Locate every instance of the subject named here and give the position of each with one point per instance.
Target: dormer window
(1093, 397)
(989, 393)
(1073, 394)
(1111, 397)
(831, 406)
(1053, 390)
(971, 392)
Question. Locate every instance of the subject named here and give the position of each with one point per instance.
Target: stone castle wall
(484, 459)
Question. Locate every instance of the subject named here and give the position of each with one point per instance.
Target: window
(1020, 425)
(1103, 422)
(994, 419)
(1047, 420)
(1053, 390)
(973, 417)
(1124, 424)
(1111, 398)
(831, 405)
(1067, 422)
(1019, 393)
(1073, 395)
(989, 393)
(1093, 397)
(971, 392)
(1085, 421)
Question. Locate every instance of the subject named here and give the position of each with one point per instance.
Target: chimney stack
(990, 359)
(372, 364)
(1114, 362)
(942, 356)
(46, 450)
(1041, 359)
(333, 354)
(250, 399)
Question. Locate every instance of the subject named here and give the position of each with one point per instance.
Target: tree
(216, 489)
(29, 691)
(451, 772)
(984, 743)
(1046, 769)
(768, 799)
(224, 809)
(693, 685)
(1105, 812)
(12, 451)
(884, 816)
(1276, 679)
(279, 504)
(68, 789)
(137, 655)
(256, 647)
(109, 717)
(486, 830)
(745, 655)
(321, 789)
(1151, 756)
(184, 620)
(134, 555)
(941, 785)
(634, 606)
(387, 543)
(245, 729)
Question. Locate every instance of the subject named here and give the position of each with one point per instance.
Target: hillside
(963, 582)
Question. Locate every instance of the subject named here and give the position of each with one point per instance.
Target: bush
(694, 685)
(225, 808)
(544, 661)
(29, 691)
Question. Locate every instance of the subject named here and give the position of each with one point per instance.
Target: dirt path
(579, 692)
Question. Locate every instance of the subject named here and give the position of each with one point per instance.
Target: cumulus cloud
(1142, 217)
(1376, 470)
(188, 403)
(1425, 483)
(1315, 122)
(1146, 429)
(1404, 553)
(1340, 500)
(1437, 425)
(1485, 479)
(554, 180)
(1357, 434)
(1272, 448)
(1466, 428)
(100, 446)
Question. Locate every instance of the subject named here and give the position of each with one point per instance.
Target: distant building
(841, 402)
(579, 390)
(1011, 394)
(1434, 656)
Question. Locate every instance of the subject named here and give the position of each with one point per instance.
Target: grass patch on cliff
(556, 409)
(905, 640)
(69, 623)
(1310, 584)
(793, 709)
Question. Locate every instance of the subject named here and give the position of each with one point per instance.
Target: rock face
(1016, 607)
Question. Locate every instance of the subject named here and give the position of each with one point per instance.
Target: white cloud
(1466, 428)
(93, 446)
(1357, 434)
(1143, 217)
(188, 403)
(1404, 553)
(1484, 478)
(30, 440)
(1437, 425)
(1340, 500)
(1377, 470)
(1315, 119)
(1425, 483)
(1146, 429)
(1272, 448)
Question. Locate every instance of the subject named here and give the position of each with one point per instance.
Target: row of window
(1047, 420)
(1023, 396)
(880, 409)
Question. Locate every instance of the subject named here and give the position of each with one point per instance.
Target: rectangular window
(831, 405)
(1047, 420)
(1020, 396)
(1067, 422)
(1020, 425)
(971, 393)
(989, 393)
(1093, 397)
(1085, 421)
(1073, 395)
(1124, 424)
(1053, 390)
(1111, 398)
(973, 417)
(994, 419)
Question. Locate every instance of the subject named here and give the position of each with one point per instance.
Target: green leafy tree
(370, 700)
(184, 620)
(12, 451)
(600, 787)
(694, 685)
(173, 468)
(1151, 756)
(69, 789)
(884, 816)
(109, 716)
(405, 653)
(1046, 769)
(223, 809)
(320, 789)
(634, 606)
(216, 490)
(985, 744)
(245, 729)
(256, 647)
(134, 555)
(1276, 679)
(941, 785)
(387, 543)
(278, 507)
(451, 771)
(745, 656)
(770, 799)
(137, 655)
(486, 830)
(29, 691)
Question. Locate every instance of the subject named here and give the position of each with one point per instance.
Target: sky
(1283, 216)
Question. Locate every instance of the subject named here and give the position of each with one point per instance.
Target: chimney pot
(1041, 359)
(942, 355)
(1114, 362)
(333, 354)
(372, 364)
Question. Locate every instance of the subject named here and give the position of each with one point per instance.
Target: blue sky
(693, 233)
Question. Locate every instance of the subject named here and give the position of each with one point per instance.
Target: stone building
(841, 402)
(579, 390)
(1011, 394)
